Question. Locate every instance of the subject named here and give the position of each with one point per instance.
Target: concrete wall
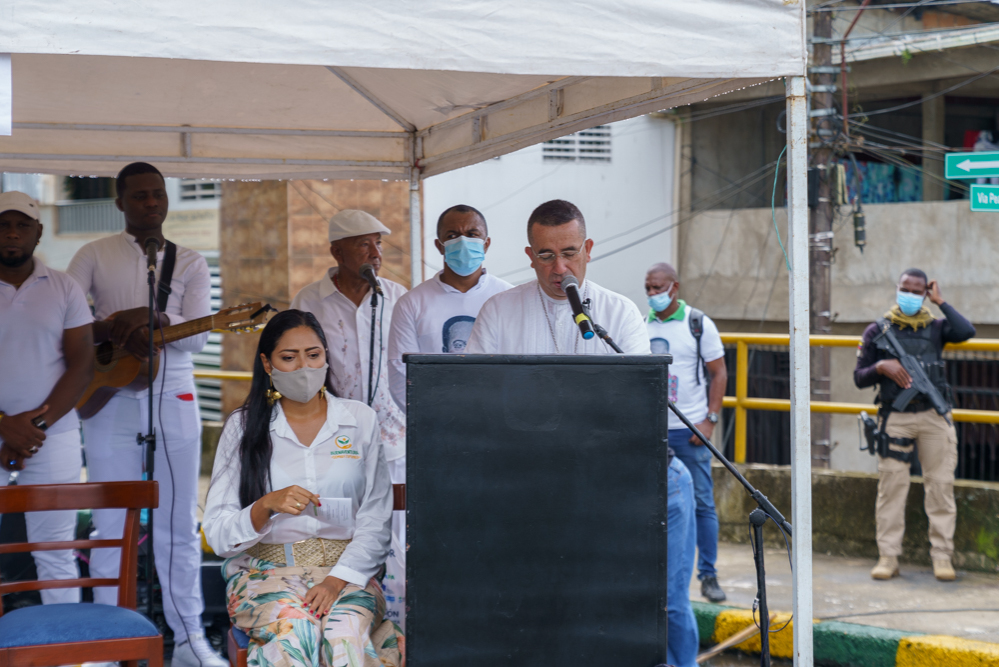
(730, 260)
(843, 514)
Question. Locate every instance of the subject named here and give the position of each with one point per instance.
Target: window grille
(593, 145)
(192, 189)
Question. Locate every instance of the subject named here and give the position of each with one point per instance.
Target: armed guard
(902, 353)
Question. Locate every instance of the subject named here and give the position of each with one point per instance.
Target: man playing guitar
(113, 271)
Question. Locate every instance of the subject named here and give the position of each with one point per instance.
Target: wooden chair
(60, 634)
(239, 641)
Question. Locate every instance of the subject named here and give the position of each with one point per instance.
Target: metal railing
(742, 402)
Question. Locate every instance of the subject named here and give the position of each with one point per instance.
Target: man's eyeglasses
(549, 257)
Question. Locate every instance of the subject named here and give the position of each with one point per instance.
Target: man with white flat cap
(341, 302)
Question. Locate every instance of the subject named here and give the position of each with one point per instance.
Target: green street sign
(971, 165)
(985, 198)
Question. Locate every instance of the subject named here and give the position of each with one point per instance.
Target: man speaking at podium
(536, 318)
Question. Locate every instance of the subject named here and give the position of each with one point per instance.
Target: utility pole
(820, 226)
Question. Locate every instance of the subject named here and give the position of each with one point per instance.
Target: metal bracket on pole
(798, 306)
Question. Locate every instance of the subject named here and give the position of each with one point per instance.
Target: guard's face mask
(660, 302)
(908, 302)
(300, 385)
(464, 254)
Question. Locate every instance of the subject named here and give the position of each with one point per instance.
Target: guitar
(117, 369)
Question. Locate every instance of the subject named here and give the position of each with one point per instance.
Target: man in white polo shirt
(47, 357)
(697, 385)
(535, 318)
(437, 316)
(113, 271)
(341, 302)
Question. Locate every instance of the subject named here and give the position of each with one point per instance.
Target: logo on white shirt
(344, 445)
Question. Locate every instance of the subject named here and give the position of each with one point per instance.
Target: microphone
(152, 247)
(368, 273)
(571, 288)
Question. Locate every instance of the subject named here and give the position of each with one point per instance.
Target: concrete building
(920, 83)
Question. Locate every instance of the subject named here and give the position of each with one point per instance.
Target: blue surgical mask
(660, 302)
(464, 255)
(908, 302)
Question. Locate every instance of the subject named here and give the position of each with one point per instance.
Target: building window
(192, 189)
(593, 145)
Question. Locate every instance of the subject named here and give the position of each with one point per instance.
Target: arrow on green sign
(985, 198)
(971, 165)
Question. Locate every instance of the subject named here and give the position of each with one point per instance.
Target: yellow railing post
(741, 393)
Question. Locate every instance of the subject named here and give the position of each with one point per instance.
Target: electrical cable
(173, 482)
(773, 210)
(756, 176)
(381, 349)
(826, 6)
(787, 546)
(956, 86)
(886, 612)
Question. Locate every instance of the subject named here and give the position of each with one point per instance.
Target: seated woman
(301, 504)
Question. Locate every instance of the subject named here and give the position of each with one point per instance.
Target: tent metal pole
(801, 444)
(415, 215)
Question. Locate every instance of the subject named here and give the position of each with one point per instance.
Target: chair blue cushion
(242, 639)
(74, 622)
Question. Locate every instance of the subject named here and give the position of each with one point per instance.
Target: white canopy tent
(392, 89)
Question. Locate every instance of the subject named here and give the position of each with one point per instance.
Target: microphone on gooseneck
(152, 247)
(368, 273)
(571, 288)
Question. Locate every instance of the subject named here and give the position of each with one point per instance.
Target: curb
(846, 644)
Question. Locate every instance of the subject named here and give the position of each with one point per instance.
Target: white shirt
(348, 334)
(344, 461)
(32, 321)
(435, 318)
(674, 337)
(113, 271)
(525, 320)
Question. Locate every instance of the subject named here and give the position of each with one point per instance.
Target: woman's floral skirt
(265, 601)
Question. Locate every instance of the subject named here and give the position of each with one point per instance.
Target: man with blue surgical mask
(697, 379)
(437, 316)
(918, 428)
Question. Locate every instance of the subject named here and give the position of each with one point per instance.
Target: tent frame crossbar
(204, 160)
(187, 129)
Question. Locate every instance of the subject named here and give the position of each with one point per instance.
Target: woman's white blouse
(344, 461)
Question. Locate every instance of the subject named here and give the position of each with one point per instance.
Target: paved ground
(843, 587)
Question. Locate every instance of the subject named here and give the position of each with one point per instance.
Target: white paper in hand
(336, 511)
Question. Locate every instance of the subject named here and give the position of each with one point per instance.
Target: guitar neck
(176, 332)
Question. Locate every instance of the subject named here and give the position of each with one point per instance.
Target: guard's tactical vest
(919, 344)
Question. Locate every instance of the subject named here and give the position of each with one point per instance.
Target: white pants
(57, 462)
(113, 455)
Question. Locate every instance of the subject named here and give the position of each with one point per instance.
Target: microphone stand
(599, 330)
(149, 439)
(764, 510)
(371, 355)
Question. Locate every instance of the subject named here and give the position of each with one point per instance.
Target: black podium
(536, 510)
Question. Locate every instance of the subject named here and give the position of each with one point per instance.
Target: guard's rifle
(920, 381)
